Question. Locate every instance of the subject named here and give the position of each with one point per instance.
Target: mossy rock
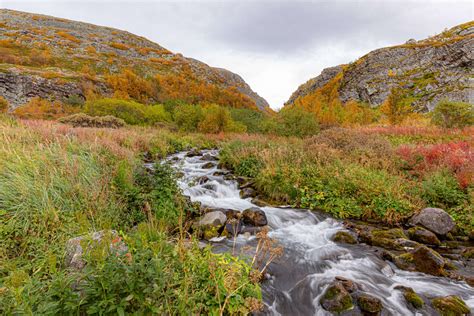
(468, 253)
(387, 243)
(413, 299)
(450, 306)
(210, 231)
(389, 233)
(344, 237)
(369, 303)
(405, 261)
(424, 236)
(336, 299)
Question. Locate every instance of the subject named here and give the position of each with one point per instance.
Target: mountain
(426, 71)
(55, 58)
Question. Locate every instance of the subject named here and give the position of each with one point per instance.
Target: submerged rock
(434, 219)
(254, 216)
(450, 306)
(336, 298)
(76, 247)
(369, 304)
(259, 202)
(423, 236)
(344, 237)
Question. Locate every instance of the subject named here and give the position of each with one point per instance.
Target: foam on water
(311, 259)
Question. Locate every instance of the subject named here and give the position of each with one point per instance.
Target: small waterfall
(311, 260)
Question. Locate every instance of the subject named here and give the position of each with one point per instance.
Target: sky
(274, 45)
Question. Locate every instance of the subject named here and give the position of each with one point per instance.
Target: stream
(311, 260)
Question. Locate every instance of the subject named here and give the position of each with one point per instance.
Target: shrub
(130, 111)
(450, 114)
(128, 84)
(216, 119)
(250, 118)
(119, 46)
(84, 120)
(188, 116)
(296, 122)
(38, 108)
(395, 107)
(68, 36)
(440, 189)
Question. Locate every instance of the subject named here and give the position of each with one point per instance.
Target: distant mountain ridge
(54, 58)
(427, 71)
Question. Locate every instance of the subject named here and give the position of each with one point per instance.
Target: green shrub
(251, 119)
(74, 100)
(296, 122)
(441, 189)
(249, 166)
(187, 117)
(130, 111)
(451, 114)
(84, 120)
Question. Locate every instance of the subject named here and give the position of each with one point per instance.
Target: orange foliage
(129, 85)
(3, 105)
(38, 108)
(179, 87)
(329, 110)
(68, 36)
(120, 46)
(91, 50)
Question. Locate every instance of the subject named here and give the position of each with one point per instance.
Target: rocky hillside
(56, 58)
(427, 71)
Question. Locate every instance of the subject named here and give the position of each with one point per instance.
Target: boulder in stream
(412, 299)
(434, 219)
(247, 193)
(211, 223)
(421, 259)
(369, 304)
(336, 298)
(423, 236)
(344, 237)
(208, 165)
(254, 216)
(450, 306)
(193, 153)
(209, 157)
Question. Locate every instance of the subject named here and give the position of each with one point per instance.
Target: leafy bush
(38, 108)
(130, 111)
(188, 116)
(250, 118)
(84, 120)
(296, 122)
(441, 189)
(450, 114)
(395, 107)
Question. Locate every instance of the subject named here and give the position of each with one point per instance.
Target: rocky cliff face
(55, 58)
(427, 71)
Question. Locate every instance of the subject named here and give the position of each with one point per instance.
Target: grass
(58, 182)
(377, 174)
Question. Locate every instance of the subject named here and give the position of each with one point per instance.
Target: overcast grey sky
(274, 45)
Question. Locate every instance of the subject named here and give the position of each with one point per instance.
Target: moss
(414, 299)
(468, 253)
(369, 303)
(210, 232)
(386, 243)
(336, 299)
(344, 237)
(404, 261)
(450, 305)
(389, 233)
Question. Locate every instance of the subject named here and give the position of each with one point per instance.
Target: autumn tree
(395, 108)
(450, 114)
(3, 105)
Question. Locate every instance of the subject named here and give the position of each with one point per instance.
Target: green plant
(296, 122)
(449, 114)
(441, 189)
(84, 120)
(130, 111)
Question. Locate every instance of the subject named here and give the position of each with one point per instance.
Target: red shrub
(457, 157)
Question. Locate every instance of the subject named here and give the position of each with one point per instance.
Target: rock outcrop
(427, 71)
(56, 58)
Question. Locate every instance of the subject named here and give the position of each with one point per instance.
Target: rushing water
(311, 260)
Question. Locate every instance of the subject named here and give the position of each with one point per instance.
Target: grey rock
(214, 218)
(75, 247)
(434, 219)
(254, 216)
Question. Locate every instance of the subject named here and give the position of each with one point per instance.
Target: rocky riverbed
(328, 266)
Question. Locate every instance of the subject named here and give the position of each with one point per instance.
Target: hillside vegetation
(57, 59)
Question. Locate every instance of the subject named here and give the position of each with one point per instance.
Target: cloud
(274, 45)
